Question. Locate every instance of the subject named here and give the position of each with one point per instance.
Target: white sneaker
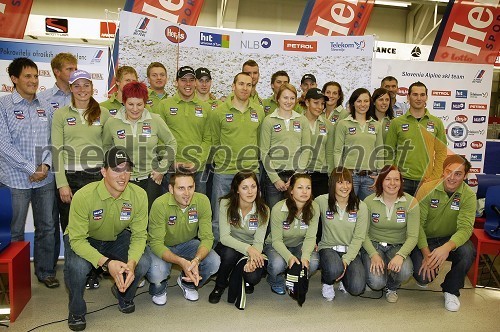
(160, 299)
(451, 302)
(142, 283)
(190, 294)
(391, 296)
(328, 292)
(342, 288)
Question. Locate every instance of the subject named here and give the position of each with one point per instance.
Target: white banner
(401, 51)
(343, 59)
(93, 59)
(460, 98)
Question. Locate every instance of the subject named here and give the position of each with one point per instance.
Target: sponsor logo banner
(476, 157)
(457, 106)
(439, 105)
(468, 33)
(478, 119)
(335, 17)
(460, 93)
(107, 29)
(478, 106)
(443, 93)
(13, 18)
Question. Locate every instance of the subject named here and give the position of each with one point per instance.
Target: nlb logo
(460, 145)
(441, 93)
(439, 105)
(402, 91)
(472, 182)
(461, 118)
(478, 106)
(457, 106)
(479, 119)
(300, 45)
(214, 40)
(175, 34)
(476, 145)
(475, 170)
(256, 44)
(476, 157)
(460, 93)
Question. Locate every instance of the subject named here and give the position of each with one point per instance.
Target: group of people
(241, 187)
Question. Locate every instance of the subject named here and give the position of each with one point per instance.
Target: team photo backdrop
(458, 95)
(144, 40)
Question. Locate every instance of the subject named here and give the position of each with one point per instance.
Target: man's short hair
(242, 73)
(418, 83)
(154, 65)
(60, 59)
(17, 65)
(178, 174)
(279, 73)
(125, 70)
(388, 78)
(457, 159)
(250, 63)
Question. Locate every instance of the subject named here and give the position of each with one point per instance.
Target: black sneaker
(248, 288)
(126, 307)
(76, 323)
(92, 281)
(216, 294)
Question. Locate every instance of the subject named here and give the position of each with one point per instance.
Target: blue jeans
(270, 192)
(220, 187)
(277, 264)
(42, 202)
(332, 267)
(361, 185)
(76, 269)
(390, 279)
(160, 270)
(461, 260)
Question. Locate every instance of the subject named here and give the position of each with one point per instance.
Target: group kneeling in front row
(379, 242)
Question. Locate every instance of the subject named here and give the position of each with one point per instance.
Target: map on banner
(460, 98)
(343, 59)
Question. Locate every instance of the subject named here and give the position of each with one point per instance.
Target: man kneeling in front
(447, 213)
(180, 232)
(107, 228)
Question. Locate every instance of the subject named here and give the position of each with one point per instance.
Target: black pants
(152, 189)
(76, 181)
(228, 259)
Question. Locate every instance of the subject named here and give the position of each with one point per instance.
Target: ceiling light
(393, 3)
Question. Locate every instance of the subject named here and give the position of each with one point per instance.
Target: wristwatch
(105, 265)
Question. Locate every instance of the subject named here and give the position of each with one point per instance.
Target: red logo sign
(175, 34)
(461, 118)
(472, 182)
(441, 93)
(476, 145)
(402, 91)
(475, 170)
(300, 45)
(107, 30)
(56, 25)
(478, 106)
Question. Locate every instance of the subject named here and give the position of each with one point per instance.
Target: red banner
(13, 18)
(178, 11)
(468, 33)
(335, 17)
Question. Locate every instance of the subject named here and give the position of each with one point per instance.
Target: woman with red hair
(140, 133)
